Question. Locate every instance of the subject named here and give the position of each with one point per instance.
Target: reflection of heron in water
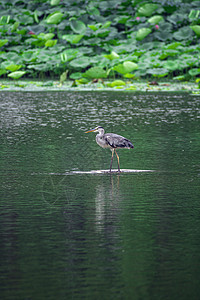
(111, 141)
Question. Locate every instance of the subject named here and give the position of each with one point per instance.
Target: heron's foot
(119, 171)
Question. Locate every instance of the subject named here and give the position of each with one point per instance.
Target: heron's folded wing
(117, 141)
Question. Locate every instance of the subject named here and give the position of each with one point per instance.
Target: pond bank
(53, 85)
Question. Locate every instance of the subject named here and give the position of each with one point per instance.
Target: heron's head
(96, 129)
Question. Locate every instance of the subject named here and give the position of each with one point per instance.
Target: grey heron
(111, 141)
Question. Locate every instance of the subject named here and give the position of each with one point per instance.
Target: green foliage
(142, 33)
(126, 67)
(155, 19)
(17, 74)
(99, 39)
(54, 18)
(147, 9)
(3, 42)
(116, 83)
(95, 73)
(78, 26)
(196, 29)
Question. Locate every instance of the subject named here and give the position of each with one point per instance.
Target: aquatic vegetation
(100, 39)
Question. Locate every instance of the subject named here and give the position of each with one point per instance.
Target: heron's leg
(111, 159)
(117, 160)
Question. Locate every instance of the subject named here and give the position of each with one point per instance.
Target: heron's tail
(130, 145)
(127, 144)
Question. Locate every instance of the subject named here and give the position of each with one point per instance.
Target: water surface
(67, 234)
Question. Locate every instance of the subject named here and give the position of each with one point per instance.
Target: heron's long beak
(91, 130)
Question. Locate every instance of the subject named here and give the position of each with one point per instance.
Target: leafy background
(89, 40)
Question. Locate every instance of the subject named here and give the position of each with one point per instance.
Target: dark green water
(85, 236)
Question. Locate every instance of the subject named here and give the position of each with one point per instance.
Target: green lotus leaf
(116, 83)
(76, 75)
(171, 65)
(147, 9)
(106, 25)
(46, 36)
(129, 66)
(184, 33)
(103, 32)
(81, 62)
(194, 72)
(30, 56)
(50, 43)
(15, 26)
(126, 67)
(122, 19)
(78, 26)
(82, 81)
(68, 55)
(112, 55)
(25, 19)
(173, 45)
(54, 18)
(93, 10)
(94, 27)
(158, 72)
(163, 35)
(129, 75)
(73, 38)
(13, 67)
(95, 73)
(55, 2)
(155, 19)
(169, 52)
(2, 72)
(196, 29)
(17, 74)
(3, 42)
(180, 77)
(142, 33)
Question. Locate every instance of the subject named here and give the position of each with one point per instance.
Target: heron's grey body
(111, 141)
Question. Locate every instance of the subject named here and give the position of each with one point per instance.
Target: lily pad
(50, 43)
(112, 55)
(196, 29)
(78, 26)
(81, 62)
(54, 2)
(13, 67)
(76, 75)
(126, 67)
(158, 72)
(155, 19)
(180, 77)
(2, 72)
(73, 38)
(54, 18)
(116, 83)
(142, 33)
(95, 73)
(184, 33)
(17, 74)
(3, 42)
(147, 9)
(194, 72)
(171, 65)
